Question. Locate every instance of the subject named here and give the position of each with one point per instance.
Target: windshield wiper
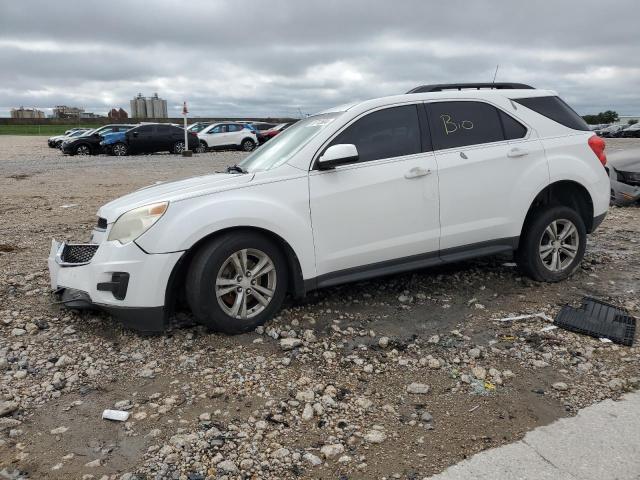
(236, 169)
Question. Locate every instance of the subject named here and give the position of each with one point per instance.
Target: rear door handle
(417, 172)
(516, 152)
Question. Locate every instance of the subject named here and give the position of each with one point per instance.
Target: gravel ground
(394, 378)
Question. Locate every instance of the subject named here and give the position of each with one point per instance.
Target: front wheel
(552, 245)
(236, 282)
(83, 150)
(120, 150)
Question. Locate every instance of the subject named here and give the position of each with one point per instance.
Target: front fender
(281, 207)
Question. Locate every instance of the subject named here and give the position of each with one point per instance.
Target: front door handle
(516, 152)
(416, 172)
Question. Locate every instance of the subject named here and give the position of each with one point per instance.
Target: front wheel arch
(174, 294)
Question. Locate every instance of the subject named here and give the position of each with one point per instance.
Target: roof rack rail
(461, 86)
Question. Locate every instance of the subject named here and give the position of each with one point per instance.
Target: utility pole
(185, 151)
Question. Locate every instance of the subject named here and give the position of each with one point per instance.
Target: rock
(63, 361)
(7, 408)
(146, 373)
(281, 453)
(68, 330)
(364, 403)
(426, 417)
(307, 413)
(59, 430)
(475, 353)
(205, 417)
(560, 386)
(306, 396)
(479, 372)
(434, 363)
(375, 436)
(539, 364)
(434, 339)
(93, 463)
(312, 459)
(418, 388)
(332, 450)
(227, 466)
(18, 332)
(246, 464)
(616, 384)
(405, 299)
(383, 342)
(290, 343)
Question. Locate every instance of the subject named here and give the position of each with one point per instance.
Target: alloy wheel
(247, 145)
(178, 147)
(119, 149)
(559, 245)
(83, 150)
(246, 283)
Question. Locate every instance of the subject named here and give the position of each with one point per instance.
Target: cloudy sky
(281, 57)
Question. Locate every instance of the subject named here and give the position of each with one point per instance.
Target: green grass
(47, 130)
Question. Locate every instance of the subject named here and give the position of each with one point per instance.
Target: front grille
(102, 223)
(78, 253)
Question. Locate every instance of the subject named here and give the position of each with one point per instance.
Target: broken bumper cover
(122, 280)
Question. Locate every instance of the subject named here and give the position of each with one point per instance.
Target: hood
(625, 160)
(173, 192)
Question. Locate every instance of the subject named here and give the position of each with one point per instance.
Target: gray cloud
(273, 58)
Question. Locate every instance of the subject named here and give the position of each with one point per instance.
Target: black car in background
(151, 138)
(89, 142)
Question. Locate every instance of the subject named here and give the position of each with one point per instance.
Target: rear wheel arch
(567, 193)
(176, 282)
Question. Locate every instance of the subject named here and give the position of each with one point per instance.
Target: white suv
(227, 134)
(441, 174)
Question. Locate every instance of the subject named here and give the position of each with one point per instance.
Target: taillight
(597, 145)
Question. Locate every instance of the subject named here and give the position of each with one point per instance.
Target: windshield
(284, 146)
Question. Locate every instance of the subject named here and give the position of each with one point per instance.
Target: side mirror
(338, 155)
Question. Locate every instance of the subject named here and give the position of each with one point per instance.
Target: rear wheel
(120, 149)
(553, 244)
(236, 282)
(247, 145)
(178, 147)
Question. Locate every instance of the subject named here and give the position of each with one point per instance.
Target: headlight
(132, 224)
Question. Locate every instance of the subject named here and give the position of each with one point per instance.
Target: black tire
(528, 255)
(83, 150)
(247, 145)
(203, 271)
(177, 147)
(120, 149)
(202, 147)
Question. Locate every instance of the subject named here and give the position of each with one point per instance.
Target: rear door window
(555, 109)
(388, 133)
(463, 123)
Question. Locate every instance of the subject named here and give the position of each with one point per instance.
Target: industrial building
(148, 107)
(26, 113)
(117, 114)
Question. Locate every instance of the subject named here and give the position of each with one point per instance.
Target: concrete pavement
(602, 442)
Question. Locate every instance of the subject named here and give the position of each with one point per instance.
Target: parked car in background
(225, 135)
(624, 173)
(372, 188)
(632, 131)
(198, 126)
(272, 132)
(148, 138)
(89, 142)
(610, 131)
(56, 141)
(75, 129)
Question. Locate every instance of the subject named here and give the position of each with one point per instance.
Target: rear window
(556, 109)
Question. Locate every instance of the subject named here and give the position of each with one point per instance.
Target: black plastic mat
(598, 319)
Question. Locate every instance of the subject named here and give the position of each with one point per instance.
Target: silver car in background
(624, 173)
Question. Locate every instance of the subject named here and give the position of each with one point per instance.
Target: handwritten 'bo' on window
(451, 126)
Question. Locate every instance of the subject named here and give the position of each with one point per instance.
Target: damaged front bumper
(122, 280)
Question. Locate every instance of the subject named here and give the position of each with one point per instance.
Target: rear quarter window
(555, 109)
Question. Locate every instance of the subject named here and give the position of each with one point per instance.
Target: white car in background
(227, 134)
(441, 174)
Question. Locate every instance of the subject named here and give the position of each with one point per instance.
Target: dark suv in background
(150, 138)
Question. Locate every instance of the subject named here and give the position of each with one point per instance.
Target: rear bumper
(122, 280)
